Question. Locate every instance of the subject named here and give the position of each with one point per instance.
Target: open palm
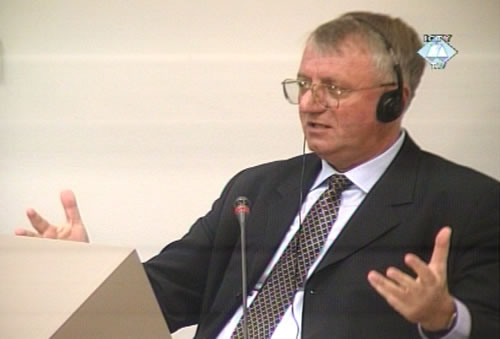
(73, 229)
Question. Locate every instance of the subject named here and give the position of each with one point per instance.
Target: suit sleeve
(178, 275)
(474, 270)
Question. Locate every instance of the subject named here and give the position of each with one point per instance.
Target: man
(399, 244)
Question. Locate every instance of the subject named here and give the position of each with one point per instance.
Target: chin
(321, 150)
(319, 145)
(325, 151)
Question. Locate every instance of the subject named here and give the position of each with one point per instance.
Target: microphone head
(241, 206)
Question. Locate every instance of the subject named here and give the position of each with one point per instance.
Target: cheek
(348, 119)
(359, 115)
(356, 125)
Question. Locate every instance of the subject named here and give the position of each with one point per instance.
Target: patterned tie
(290, 272)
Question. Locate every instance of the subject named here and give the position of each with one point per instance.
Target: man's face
(346, 134)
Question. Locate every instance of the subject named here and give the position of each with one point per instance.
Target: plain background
(147, 108)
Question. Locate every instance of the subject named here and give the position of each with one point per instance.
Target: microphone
(241, 211)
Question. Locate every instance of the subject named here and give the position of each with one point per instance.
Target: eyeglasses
(323, 93)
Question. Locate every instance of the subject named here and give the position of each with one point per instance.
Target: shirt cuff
(460, 330)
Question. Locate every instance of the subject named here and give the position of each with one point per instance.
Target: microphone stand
(244, 295)
(241, 210)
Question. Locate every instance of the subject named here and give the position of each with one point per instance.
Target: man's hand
(73, 229)
(424, 299)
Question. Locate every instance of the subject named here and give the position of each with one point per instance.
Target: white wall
(146, 108)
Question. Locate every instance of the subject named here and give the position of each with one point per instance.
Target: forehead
(351, 63)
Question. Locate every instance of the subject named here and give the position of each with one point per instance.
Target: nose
(313, 99)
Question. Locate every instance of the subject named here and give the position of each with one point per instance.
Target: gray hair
(375, 31)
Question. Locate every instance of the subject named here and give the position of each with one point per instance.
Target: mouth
(317, 125)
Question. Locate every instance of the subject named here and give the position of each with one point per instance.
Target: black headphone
(390, 104)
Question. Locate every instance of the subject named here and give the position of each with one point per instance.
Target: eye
(334, 90)
(303, 84)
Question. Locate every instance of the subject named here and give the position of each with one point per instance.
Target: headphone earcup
(389, 106)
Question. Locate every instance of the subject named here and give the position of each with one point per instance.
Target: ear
(405, 98)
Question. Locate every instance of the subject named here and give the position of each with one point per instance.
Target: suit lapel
(282, 209)
(376, 215)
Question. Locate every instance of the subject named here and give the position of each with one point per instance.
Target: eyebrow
(301, 76)
(323, 80)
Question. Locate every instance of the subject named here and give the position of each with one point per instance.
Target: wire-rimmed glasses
(327, 94)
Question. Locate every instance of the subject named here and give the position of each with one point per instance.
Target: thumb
(439, 257)
(70, 206)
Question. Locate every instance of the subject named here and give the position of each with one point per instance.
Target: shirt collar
(367, 174)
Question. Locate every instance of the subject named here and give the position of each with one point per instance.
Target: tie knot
(338, 183)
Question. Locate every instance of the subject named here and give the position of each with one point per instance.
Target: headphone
(390, 104)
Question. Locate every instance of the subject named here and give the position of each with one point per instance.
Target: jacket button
(312, 291)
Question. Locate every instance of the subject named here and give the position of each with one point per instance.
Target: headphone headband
(390, 105)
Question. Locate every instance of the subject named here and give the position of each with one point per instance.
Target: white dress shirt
(363, 178)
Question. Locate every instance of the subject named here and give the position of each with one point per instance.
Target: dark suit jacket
(197, 279)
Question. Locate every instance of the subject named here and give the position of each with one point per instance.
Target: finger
(26, 233)
(420, 268)
(38, 223)
(441, 249)
(70, 206)
(63, 232)
(385, 287)
(394, 296)
(404, 280)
